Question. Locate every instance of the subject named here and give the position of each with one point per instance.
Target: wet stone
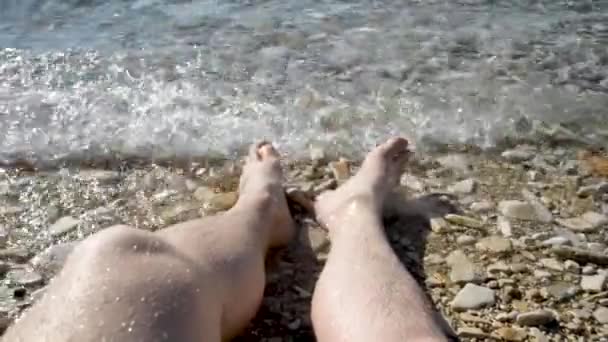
(462, 270)
(556, 241)
(466, 186)
(517, 155)
(457, 162)
(504, 226)
(16, 254)
(25, 277)
(494, 244)
(465, 240)
(594, 283)
(101, 176)
(601, 315)
(517, 210)
(552, 264)
(472, 332)
(482, 207)
(63, 226)
(439, 225)
(51, 260)
(561, 290)
(536, 318)
(473, 297)
(463, 221)
(588, 222)
(203, 194)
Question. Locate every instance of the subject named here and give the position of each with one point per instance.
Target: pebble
(16, 254)
(580, 255)
(439, 225)
(340, 170)
(517, 155)
(552, 264)
(63, 226)
(503, 317)
(494, 244)
(588, 222)
(316, 239)
(591, 190)
(482, 207)
(535, 318)
(572, 266)
(3, 236)
(594, 283)
(557, 241)
(25, 277)
(504, 226)
(412, 182)
(561, 290)
(472, 332)
(511, 334)
(222, 201)
(517, 209)
(463, 221)
(538, 335)
(601, 315)
(51, 260)
(465, 240)
(466, 186)
(101, 176)
(203, 194)
(433, 259)
(588, 270)
(541, 274)
(329, 184)
(456, 162)
(498, 267)
(462, 270)
(472, 296)
(317, 154)
(542, 213)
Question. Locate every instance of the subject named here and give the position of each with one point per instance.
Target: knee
(120, 240)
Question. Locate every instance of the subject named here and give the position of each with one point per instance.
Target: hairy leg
(364, 292)
(202, 280)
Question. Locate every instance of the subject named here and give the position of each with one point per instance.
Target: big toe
(392, 148)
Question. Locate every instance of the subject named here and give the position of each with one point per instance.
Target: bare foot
(261, 185)
(366, 191)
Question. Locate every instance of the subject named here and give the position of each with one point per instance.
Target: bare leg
(364, 293)
(202, 280)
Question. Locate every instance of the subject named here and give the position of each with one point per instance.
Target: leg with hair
(202, 280)
(364, 292)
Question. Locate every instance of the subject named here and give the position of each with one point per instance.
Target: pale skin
(203, 280)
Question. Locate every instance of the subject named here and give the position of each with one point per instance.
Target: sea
(112, 79)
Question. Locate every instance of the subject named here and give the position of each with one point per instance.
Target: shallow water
(157, 78)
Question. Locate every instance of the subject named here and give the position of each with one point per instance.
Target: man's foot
(261, 186)
(366, 191)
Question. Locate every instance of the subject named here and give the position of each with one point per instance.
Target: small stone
(295, 325)
(25, 277)
(552, 264)
(412, 182)
(11, 209)
(329, 184)
(471, 332)
(51, 260)
(63, 226)
(504, 226)
(317, 154)
(203, 194)
(16, 254)
(588, 270)
(535, 318)
(503, 317)
(517, 210)
(439, 225)
(591, 190)
(463, 221)
(316, 239)
(473, 297)
(4, 267)
(601, 315)
(561, 290)
(511, 334)
(494, 244)
(538, 335)
(517, 156)
(557, 241)
(580, 255)
(101, 176)
(466, 186)
(594, 283)
(540, 274)
(519, 268)
(572, 266)
(498, 267)
(482, 207)
(433, 259)
(222, 201)
(462, 270)
(586, 223)
(465, 240)
(603, 302)
(340, 170)
(3, 236)
(542, 213)
(456, 162)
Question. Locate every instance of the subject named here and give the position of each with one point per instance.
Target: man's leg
(364, 292)
(202, 280)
